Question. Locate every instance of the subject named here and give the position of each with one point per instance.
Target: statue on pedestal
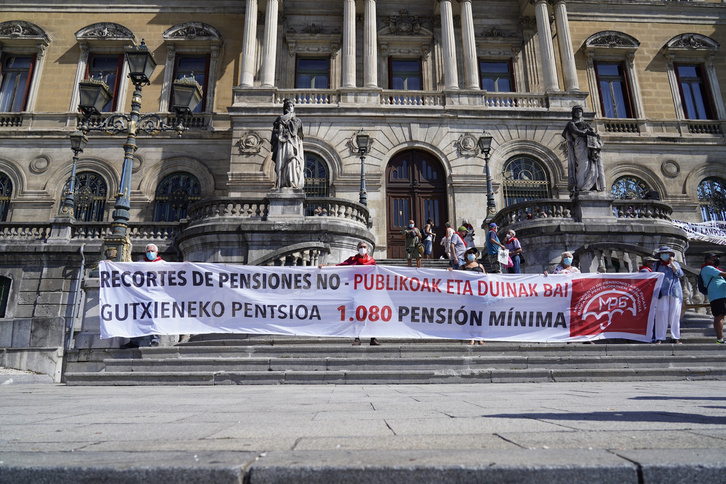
(584, 163)
(287, 149)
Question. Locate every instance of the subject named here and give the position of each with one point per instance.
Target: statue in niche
(584, 163)
(287, 149)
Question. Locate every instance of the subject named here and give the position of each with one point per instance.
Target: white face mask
(151, 255)
(362, 251)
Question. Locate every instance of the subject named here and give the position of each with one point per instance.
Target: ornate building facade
(425, 83)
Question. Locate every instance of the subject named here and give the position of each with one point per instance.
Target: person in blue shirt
(493, 246)
(715, 281)
(670, 302)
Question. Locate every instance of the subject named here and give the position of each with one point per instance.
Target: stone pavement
(634, 432)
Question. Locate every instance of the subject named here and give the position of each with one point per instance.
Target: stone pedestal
(593, 207)
(286, 204)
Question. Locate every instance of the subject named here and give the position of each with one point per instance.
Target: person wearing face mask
(362, 258)
(472, 264)
(511, 242)
(457, 249)
(413, 240)
(715, 281)
(565, 266)
(670, 300)
(151, 255)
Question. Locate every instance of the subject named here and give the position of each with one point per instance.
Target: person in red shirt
(362, 258)
(151, 255)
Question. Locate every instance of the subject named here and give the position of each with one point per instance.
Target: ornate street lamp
(78, 143)
(141, 64)
(485, 146)
(94, 94)
(362, 139)
(187, 95)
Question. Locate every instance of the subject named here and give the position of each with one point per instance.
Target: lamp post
(485, 146)
(94, 96)
(78, 143)
(363, 141)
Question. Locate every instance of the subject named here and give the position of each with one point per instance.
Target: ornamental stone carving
(249, 144)
(192, 31)
(18, 29)
(467, 145)
(404, 24)
(105, 31)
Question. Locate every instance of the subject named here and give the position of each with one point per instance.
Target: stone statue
(287, 149)
(584, 163)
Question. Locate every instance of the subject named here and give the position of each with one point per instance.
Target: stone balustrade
(308, 96)
(24, 231)
(412, 98)
(653, 209)
(227, 207)
(514, 100)
(339, 208)
(533, 210)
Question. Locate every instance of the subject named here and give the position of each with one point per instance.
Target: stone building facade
(425, 82)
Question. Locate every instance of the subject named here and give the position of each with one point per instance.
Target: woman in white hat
(670, 302)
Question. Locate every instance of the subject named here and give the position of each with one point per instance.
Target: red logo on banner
(610, 306)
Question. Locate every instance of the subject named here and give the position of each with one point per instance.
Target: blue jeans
(515, 269)
(456, 265)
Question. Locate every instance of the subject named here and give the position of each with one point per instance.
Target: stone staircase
(273, 360)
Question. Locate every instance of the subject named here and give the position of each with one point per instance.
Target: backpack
(702, 288)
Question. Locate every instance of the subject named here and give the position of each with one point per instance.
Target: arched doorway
(415, 190)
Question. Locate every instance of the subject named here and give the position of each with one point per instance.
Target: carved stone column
(451, 77)
(549, 70)
(249, 44)
(471, 68)
(348, 57)
(567, 54)
(370, 46)
(269, 49)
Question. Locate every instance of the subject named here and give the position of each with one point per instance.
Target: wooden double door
(415, 190)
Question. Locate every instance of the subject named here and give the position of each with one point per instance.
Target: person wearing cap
(648, 263)
(493, 246)
(670, 300)
(469, 239)
(715, 281)
(472, 264)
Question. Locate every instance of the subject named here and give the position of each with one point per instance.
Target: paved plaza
(638, 432)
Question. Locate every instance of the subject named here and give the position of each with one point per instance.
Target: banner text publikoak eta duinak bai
(138, 299)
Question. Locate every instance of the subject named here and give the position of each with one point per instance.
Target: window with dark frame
(107, 67)
(524, 179)
(317, 183)
(16, 73)
(496, 76)
(196, 66)
(174, 195)
(694, 91)
(5, 284)
(405, 75)
(712, 199)
(614, 93)
(312, 73)
(90, 197)
(6, 193)
(629, 188)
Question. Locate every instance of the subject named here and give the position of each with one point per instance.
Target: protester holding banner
(511, 242)
(670, 302)
(472, 264)
(151, 255)
(565, 266)
(362, 258)
(714, 280)
(493, 246)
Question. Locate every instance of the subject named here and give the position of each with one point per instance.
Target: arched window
(6, 192)
(629, 188)
(524, 179)
(4, 294)
(712, 198)
(174, 195)
(91, 195)
(317, 182)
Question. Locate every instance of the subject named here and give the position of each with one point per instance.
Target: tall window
(712, 198)
(107, 68)
(524, 179)
(196, 66)
(694, 91)
(405, 75)
(629, 188)
(496, 76)
(312, 73)
(16, 74)
(317, 182)
(614, 98)
(6, 192)
(4, 294)
(174, 195)
(91, 195)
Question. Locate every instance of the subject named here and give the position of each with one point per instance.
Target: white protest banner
(138, 299)
(713, 232)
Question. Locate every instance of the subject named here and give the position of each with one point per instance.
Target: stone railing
(308, 96)
(532, 210)
(704, 127)
(642, 209)
(227, 207)
(136, 230)
(514, 100)
(338, 208)
(24, 231)
(11, 120)
(621, 126)
(412, 98)
(304, 257)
